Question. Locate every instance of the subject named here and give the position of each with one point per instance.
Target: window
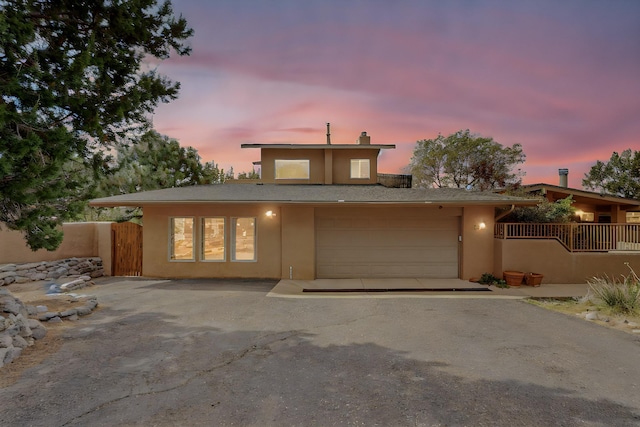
(360, 168)
(181, 239)
(586, 216)
(213, 239)
(633, 217)
(292, 169)
(243, 239)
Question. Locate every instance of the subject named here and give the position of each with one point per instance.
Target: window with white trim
(213, 239)
(292, 169)
(360, 168)
(243, 239)
(181, 239)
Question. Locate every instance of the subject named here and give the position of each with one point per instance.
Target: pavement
(237, 353)
(418, 288)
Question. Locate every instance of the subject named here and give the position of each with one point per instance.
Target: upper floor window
(360, 168)
(292, 169)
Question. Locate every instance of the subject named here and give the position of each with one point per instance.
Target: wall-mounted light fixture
(270, 214)
(480, 226)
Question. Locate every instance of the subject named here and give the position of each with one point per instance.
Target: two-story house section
(318, 211)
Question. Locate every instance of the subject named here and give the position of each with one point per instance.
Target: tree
(544, 212)
(71, 85)
(620, 176)
(465, 160)
(249, 175)
(157, 161)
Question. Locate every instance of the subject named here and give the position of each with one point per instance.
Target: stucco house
(590, 206)
(318, 211)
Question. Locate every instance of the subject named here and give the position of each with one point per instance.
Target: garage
(377, 242)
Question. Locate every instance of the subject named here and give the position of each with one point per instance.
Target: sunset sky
(562, 78)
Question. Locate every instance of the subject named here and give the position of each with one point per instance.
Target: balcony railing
(577, 237)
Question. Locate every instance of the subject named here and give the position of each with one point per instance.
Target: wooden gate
(126, 249)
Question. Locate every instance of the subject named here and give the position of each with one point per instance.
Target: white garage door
(386, 242)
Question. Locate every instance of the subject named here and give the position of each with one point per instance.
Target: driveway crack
(196, 374)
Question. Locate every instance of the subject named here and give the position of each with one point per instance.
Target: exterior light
(480, 226)
(270, 214)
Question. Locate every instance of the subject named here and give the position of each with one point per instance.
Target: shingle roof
(322, 146)
(584, 193)
(316, 194)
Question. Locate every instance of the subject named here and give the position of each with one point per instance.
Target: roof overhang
(582, 196)
(322, 146)
(283, 194)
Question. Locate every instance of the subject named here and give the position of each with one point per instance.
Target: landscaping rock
(17, 329)
(5, 274)
(6, 341)
(45, 317)
(11, 354)
(592, 316)
(20, 342)
(70, 312)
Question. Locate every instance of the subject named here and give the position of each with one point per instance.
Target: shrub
(490, 279)
(543, 212)
(622, 295)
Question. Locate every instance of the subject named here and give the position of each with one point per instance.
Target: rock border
(21, 325)
(51, 270)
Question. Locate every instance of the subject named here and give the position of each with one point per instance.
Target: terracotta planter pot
(513, 278)
(533, 279)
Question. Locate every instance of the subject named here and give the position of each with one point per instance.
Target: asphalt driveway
(193, 352)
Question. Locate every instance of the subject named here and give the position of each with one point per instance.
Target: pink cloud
(561, 78)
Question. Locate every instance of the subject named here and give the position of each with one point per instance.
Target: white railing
(576, 237)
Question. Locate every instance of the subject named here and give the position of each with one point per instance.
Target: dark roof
(310, 194)
(587, 196)
(321, 146)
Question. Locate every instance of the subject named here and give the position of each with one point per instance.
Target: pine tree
(71, 84)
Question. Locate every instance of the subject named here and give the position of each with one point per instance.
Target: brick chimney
(564, 177)
(364, 139)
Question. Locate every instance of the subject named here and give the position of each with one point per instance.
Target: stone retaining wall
(20, 324)
(51, 270)
(17, 330)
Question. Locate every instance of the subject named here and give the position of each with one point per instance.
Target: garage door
(385, 242)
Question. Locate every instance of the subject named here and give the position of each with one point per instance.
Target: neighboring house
(318, 211)
(590, 206)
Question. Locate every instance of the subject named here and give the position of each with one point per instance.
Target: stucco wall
(326, 166)
(477, 242)
(156, 261)
(298, 242)
(316, 165)
(342, 166)
(558, 265)
(81, 239)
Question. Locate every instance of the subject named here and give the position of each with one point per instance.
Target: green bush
(490, 279)
(543, 212)
(622, 295)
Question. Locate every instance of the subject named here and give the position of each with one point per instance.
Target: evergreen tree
(154, 162)
(620, 176)
(71, 84)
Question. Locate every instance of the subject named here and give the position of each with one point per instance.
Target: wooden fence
(577, 237)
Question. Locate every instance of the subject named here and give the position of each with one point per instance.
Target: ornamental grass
(621, 295)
